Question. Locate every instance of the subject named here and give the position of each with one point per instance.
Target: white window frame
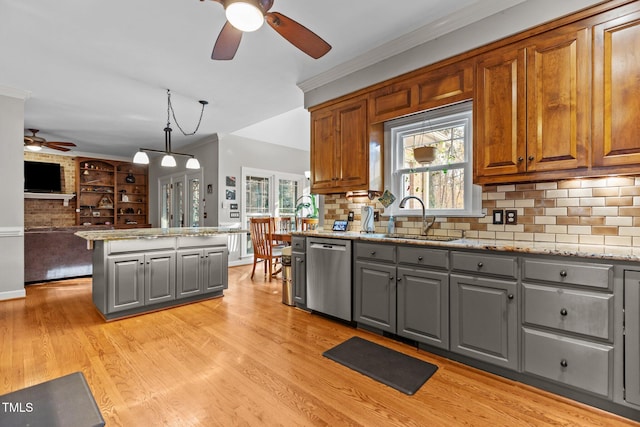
(394, 130)
(274, 177)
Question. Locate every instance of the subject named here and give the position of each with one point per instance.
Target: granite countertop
(614, 253)
(151, 233)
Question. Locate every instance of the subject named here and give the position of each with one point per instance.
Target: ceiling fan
(249, 15)
(35, 143)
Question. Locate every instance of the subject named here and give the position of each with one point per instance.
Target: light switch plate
(498, 216)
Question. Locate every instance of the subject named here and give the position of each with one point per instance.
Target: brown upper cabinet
(616, 92)
(531, 108)
(343, 158)
(441, 86)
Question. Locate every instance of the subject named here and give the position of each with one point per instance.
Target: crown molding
(479, 10)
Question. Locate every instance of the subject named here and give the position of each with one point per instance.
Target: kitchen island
(141, 270)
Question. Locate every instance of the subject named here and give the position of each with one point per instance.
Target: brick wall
(602, 211)
(52, 213)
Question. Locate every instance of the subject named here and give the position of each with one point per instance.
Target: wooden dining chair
(263, 248)
(282, 224)
(308, 224)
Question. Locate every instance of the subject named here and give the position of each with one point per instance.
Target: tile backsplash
(600, 211)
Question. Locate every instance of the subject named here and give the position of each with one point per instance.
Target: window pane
(194, 204)
(449, 143)
(438, 189)
(257, 196)
(288, 194)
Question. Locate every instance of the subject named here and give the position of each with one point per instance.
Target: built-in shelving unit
(111, 193)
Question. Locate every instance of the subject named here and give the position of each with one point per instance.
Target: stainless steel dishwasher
(329, 276)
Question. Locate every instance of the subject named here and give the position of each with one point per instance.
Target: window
(445, 184)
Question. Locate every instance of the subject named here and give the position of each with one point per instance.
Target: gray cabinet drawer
(143, 244)
(577, 363)
(202, 241)
(569, 273)
(417, 255)
(499, 265)
(376, 251)
(582, 312)
(297, 244)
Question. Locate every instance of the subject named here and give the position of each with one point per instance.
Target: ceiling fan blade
(55, 147)
(298, 35)
(66, 144)
(227, 43)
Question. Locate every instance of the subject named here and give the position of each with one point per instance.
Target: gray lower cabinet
(299, 275)
(484, 319)
(200, 271)
(567, 316)
(632, 337)
(375, 295)
(138, 279)
(423, 306)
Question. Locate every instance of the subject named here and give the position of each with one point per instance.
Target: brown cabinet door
(438, 87)
(499, 111)
(323, 151)
(558, 82)
(616, 92)
(351, 148)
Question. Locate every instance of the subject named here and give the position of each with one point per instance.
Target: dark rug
(62, 402)
(397, 370)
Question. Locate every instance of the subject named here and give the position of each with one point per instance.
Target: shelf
(51, 196)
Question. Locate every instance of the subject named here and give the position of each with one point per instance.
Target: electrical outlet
(498, 216)
(350, 216)
(511, 217)
(376, 215)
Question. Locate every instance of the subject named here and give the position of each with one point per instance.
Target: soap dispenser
(391, 226)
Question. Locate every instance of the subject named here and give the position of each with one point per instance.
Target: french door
(180, 200)
(268, 193)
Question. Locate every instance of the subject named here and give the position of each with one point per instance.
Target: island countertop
(152, 233)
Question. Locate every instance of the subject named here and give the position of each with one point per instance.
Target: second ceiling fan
(249, 15)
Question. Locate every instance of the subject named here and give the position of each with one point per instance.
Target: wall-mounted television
(42, 177)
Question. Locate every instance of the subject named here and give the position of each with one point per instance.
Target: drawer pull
(373, 253)
(480, 265)
(419, 258)
(563, 312)
(563, 273)
(510, 296)
(564, 363)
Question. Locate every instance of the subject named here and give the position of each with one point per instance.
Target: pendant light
(168, 160)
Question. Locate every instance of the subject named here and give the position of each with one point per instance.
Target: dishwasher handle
(327, 246)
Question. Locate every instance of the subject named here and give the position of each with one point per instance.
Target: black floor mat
(397, 370)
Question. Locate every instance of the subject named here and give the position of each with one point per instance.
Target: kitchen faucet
(425, 225)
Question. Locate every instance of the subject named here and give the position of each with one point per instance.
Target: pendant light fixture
(168, 160)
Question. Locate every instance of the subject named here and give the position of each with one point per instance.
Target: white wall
(511, 21)
(12, 193)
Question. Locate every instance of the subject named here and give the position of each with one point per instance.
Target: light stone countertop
(151, 233)
(614, 253)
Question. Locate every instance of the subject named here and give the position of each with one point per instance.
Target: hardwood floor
(246, 359)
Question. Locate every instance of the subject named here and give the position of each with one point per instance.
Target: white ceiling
(98, 71)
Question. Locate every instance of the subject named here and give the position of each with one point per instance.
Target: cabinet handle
(564, 363)
(520, 158)
(398, 279)
(510, 296)
(480, 265)
(373, 252)
(563, 312)
(419, 258)
(563, 273)
(391, 278)
(531, 158)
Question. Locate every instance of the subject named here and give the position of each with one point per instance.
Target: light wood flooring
(246, 359)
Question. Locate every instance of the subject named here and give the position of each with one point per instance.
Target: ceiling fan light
(168, 161)
(245, 16)
(193, 163)
(34, 147)
(141, 158)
